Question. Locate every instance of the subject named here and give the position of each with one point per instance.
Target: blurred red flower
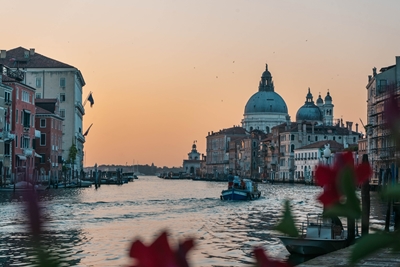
(329, 176)
(262, 260)
(160, 254)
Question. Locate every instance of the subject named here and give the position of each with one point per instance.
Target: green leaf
(287, 225)
(392, 192)
(371, 243)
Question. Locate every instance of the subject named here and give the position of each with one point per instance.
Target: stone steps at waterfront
(383, 258)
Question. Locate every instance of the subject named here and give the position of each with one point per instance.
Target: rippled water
(89, 227)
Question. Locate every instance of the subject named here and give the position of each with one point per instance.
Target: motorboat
(318, 236)
(241, 189)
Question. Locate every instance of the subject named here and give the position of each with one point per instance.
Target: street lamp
(327, 153)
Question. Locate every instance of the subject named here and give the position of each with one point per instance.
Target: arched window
(267, 129)
(291, 148)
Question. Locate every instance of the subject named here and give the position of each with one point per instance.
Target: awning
(21, 157)
(27, 111)
(37, 155)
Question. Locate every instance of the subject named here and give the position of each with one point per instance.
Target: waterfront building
(307, 158)
(381, 147)
(217, 152)
(54, 79)
(23, 125)
(266, 108)
(49, 146)
(7, 137)
(192, 165)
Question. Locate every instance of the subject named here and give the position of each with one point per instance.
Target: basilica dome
(309, 111)
(266, 102)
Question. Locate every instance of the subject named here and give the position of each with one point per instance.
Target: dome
(328, 97)
(309, 111)
(319, 100)
(266, 102)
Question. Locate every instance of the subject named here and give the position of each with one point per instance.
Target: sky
(166, 73)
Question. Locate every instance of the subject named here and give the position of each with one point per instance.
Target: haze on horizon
(165, 73)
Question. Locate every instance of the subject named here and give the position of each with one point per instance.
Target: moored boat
(243, 189)
(318, 236)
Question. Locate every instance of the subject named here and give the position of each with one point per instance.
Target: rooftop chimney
(357, 127)
(3, 53)
(32, 51)
(369, 78)
(374, 71)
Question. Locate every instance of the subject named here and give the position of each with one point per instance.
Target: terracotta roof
(41, 111)
(46, 100)
(16, 58)
(333, 145)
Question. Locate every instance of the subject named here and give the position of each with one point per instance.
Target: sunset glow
(165, 73)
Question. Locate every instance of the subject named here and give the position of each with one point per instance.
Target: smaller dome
(319, 100)
(328, 97)
(309, 111)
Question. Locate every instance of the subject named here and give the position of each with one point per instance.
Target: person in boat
(230, 180)
(242, 184)
(236, 181)
(337, 226)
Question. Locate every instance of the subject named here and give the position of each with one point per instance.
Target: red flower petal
(262, 260)
(363, 172)
(330, 196)
(324, 175)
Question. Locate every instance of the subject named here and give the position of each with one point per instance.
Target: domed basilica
(266, 108)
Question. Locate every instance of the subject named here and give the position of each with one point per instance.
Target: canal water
(89, 227)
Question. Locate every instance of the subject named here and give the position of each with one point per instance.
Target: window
(62, 113)
(26, 118)
(267, 129)
(42, 123)
(25, 96)
(292, 148)
(292, 137)
(43, 158)
(16, 116)
(25, 142)
(7, 149)
(16, 140)
(7, 97)
(62, 82)
(62, 97)
(42, 139)
(38, 82)
(38, 95)
(316, 138)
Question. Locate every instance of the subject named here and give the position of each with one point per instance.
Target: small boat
(318, 236)
(243, 189)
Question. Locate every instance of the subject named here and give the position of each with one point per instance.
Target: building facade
(49, 146)
(7, 137)
(381, 147)
(192, 165)
(54, 79)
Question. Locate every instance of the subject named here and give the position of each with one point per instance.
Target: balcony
(8, 137)
(79, 107)
(7, 102)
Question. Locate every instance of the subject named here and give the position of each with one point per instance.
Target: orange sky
(165, 73)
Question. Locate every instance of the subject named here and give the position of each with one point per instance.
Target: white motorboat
(318, 236)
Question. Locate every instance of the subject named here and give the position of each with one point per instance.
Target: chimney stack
(357, 127)
(32, 51)
(3, 53)
(350, 126)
